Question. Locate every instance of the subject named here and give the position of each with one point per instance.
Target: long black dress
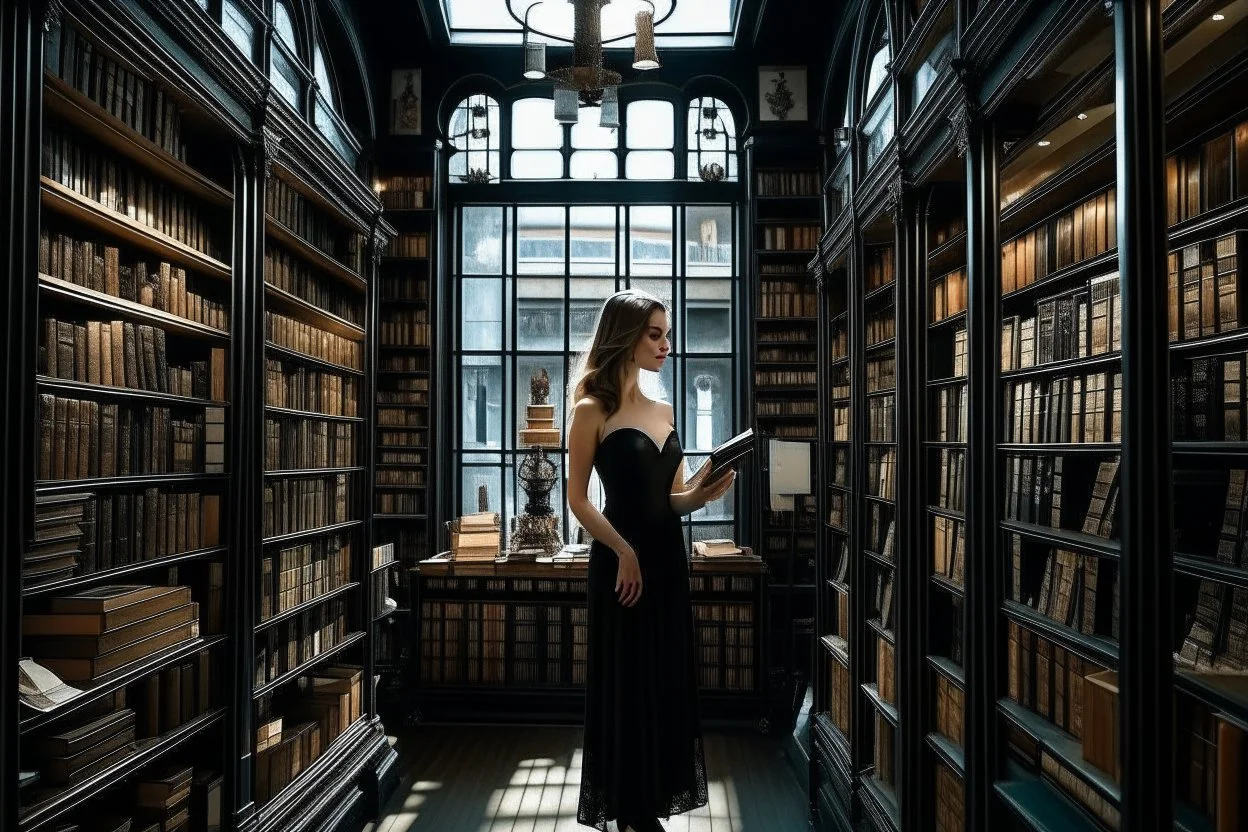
(643, 737)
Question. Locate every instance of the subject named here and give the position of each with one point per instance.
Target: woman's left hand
(704, 494)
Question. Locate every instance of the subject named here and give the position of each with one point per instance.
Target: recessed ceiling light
(1044, 142)
(1219, 17)
(1082, 116)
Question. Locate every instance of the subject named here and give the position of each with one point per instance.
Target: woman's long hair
(621, 324)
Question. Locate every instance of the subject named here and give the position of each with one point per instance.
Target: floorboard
(527, 779)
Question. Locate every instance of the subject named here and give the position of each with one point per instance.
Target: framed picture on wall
(405, 102)
(782, 93)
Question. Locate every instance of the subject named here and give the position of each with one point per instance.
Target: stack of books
(76, 754)
(476, 537)
(98, 631)
(541, 430)
(163, 797)
(61, 521)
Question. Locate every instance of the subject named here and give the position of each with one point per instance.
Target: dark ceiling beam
(437, 27)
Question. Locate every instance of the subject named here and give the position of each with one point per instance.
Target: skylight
(692, 23)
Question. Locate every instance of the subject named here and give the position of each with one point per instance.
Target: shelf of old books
(314, 592)
(1059, 452)
(943, 462)
(878, 508)
(124, 578)
(1207, 214)
(834, 690)
(403, 451)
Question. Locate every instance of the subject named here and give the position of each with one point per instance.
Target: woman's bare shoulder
(589, 410)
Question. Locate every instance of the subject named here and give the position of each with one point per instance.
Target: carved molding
(270, 150)
(53, 12)
(899, 191)
(965, 109)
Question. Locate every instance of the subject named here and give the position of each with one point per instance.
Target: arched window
(651, 135)
(474, 133)
(877, 127)
(877, 72)
(324, 83)
(712, 140)
(282, 72)
(284, 25)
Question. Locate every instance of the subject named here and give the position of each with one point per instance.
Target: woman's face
(652, 349)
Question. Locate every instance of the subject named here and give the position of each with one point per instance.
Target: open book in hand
(724, 458)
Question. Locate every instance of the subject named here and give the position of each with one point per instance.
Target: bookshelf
(942, 473)
(784, 199)
(1077, 599)
(131, 318)
(190, 515)
(508, 639)
(406, 370)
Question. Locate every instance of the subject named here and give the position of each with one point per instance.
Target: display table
(507, 640)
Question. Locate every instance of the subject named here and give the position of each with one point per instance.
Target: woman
(643, 738)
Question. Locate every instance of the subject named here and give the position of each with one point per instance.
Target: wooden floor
(522, 779)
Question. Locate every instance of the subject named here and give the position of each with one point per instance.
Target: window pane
(713, 530)
(476, 476)
(321, 70)
(238, 28)
(595, 164)
(712, 138)
(651, 124)
(482, 316)
(708, 402)
(533, 125)
(482, 240)
(526, 366)
(879, 128)
(537, 164)
(592, 244)
(588, 132)
(708, 241)
(650, 164)
(708, 316)
(474, 132)
(650, 243)
(285, 78)
(878, 72)
(585, 302)
(539, 313)
(481, 398)
(540, 240)
(661, 289)
(284, 25)
(925, 76)
(657, 386)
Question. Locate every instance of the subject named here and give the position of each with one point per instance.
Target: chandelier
(588, 81)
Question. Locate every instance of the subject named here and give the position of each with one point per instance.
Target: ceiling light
(1082, 116)
(588, 76)
(1044, 142)
(1219, 16)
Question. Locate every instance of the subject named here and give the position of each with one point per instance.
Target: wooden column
(245, 444)
(983, 629)
(21, 116)
(1146, 669)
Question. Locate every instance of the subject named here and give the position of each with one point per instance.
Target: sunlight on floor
(541, 796)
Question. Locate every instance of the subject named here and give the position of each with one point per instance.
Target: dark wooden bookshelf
(1038, 160)
(149, 187)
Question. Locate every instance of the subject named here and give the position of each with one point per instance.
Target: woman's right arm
(583, 432)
